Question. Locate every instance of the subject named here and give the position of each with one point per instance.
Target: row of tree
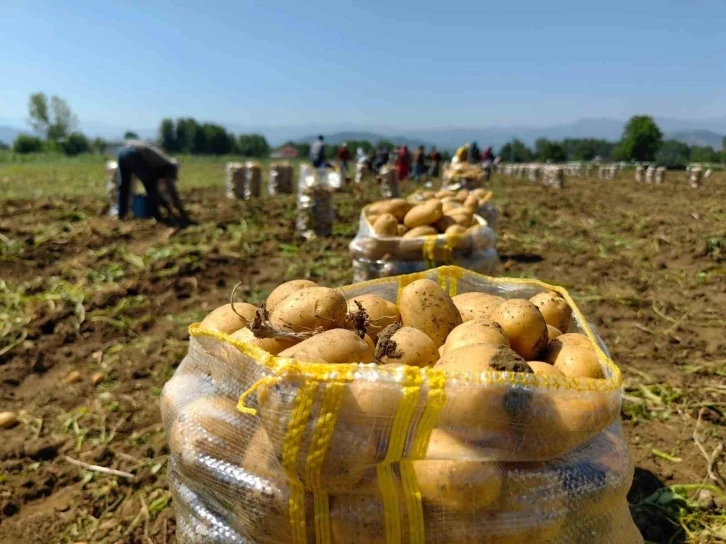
(186, 135)
(642, 140)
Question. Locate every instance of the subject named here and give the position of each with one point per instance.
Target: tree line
(642, 140)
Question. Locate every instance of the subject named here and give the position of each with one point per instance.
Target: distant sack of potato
(399, 237)
(442, 406)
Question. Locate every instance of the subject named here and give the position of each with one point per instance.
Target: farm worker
(381, 158)
(419, 163)
(487, 160)
(363, 164)
(343, 158)
(403, 163)
(474, 154)
(317, 152)
(462, 153)
(154, 168)
(435, 157)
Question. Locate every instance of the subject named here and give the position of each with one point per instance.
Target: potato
(270, 345)
(524, 325)
(336, 346)
(455, 230)
(401, 229)
(459, 485)
(448, 205)
(386, 225)
(423, 214)
(417, 232)
(425, 306)
(428, 194)
(476, 331)
(260, 457)
(462, 219)
(539, 367)
(357, 519)
(398, 207)
(462, 195)
(373, 248)
(554, 309)
(575, 338)
(407, 346)
(311, 308)
(574, 360)
(481, 236)
(479, 193)
(476, 305)
(381, 313)
(478, 358)
(471, 202)
(223, 319)
(445, 193)
(553, 332)
(284, 290)
(444, 223)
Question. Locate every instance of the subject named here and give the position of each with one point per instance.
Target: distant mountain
(8, 134)
(338, 138)
(698, 137)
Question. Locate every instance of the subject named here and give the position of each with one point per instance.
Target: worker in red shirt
(343, 158)
(403, 163)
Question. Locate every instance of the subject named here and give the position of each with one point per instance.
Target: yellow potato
(261, 458)
(455, 229)
(573, 360)
(357, 519)
(417, 232)
(575, 338)
(539, 367)
(398, 207)
(476, 305)
(554, 309)
(471, 202)
(373, 248)
(284, 290)
(423, 214)
(461, 219)
(478, 358)
(463, 210)
(476, 331)
(553, 332)
(428, 194)
(479, 192)
(524, 325)
(444, 223)
(270, 345)
(462, 195)
(401, 229)
(336, 346)
(386, 225)
(448, 205)
(223, 319)
(310, 309)
(445, 193)
(381, 313)
(407, 346)
(425, 306)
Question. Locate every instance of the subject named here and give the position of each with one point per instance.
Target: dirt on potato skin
(116, 297)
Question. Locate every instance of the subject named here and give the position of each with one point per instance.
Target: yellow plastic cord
(414, 507)
(243, 397)
(411, 386)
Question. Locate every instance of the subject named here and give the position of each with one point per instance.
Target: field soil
(94, 316)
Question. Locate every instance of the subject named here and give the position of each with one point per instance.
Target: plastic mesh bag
(377, 256)
(273, 450)
(280, 179)
(315, 212)
(487, 209)
(389, 182)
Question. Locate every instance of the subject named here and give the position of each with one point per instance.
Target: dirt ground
(94, 316)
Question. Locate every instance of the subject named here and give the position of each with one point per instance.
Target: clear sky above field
(406, 64)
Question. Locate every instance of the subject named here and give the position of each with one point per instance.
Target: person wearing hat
(157, 171)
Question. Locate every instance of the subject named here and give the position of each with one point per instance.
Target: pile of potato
(470, 332)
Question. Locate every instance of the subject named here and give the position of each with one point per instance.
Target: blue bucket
(140, 206)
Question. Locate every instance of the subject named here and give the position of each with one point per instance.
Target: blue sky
(401, 64)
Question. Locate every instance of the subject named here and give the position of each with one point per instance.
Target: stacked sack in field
(399, 237)
(464, 175)
(660, 173)
(388, 180)
(554, 176)
(244, 180)
(315, 211)
(639, 170)
(650, 173)
(695, 177)
(444, 407)
(281, 179)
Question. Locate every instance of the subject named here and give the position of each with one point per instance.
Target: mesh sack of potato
(315, 212)
(236, 179)
(480, 200)
(443, 406)
(280, 179)
(464, 175)
(252, 181)
(399, 237)
(388, 179)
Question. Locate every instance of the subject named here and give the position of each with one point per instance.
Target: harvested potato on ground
(574, 360)
(425, 306)
(524, 325)
(406, 346)
(554, 309)
(224, 319)
(284, 290)
(398, 207)
(386, 225)
(476, 305)
(270, 345)
(381, 313)
(311, 308)
(421, 231)
(336, 346)
(476, 331)
(553, 332)
(423, 214)
(539, 367)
